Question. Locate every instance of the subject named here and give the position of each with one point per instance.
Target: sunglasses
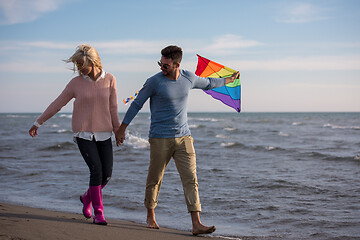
(165, 66)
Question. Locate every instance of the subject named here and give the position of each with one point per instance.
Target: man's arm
(210, 83)
(134, 108)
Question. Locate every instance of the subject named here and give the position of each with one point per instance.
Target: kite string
(238, 109)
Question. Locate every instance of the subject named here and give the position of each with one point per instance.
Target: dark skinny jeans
(98, 155)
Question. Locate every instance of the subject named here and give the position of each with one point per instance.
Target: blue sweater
(168, 102)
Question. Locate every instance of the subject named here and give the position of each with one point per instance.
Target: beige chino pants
(183, 152)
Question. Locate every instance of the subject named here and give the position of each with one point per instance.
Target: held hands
(33, 131)
(120, 137)
(120, 134)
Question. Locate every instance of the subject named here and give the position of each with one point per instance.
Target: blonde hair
(87, 54)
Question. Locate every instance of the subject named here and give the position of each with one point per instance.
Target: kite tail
(127, 100)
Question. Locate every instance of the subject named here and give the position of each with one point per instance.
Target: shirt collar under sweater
(102, 75)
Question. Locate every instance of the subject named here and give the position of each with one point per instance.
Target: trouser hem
(150, 205)
(194, 208)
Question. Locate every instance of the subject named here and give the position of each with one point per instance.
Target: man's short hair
(173, 52)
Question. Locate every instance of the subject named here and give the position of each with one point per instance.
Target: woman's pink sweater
(95, 105)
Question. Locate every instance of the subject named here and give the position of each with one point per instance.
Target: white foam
(136, 142)
(224, 237)
(65, 115)
(333, 126)
(205, 119)
(221, 136)
(229, 129)
(61, 130)
(270, 148)
(230, 144)
(15, 116)
(284, 134)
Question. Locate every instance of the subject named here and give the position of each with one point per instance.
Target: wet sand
(26, 223)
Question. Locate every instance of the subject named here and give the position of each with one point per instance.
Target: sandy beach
(26, 223)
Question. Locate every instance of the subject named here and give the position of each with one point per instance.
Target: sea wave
(65, 115)
(270, 148)
(225, 237)
(252, 147)
(16, 116)
(136, 142)
(333, 126)
(284, 134)
(204, 119)
(231, 144)
(329, 157)
(222, 136)
(230, 129)
(59, 146)
(263, 121)
(64, 131)
(196, 126)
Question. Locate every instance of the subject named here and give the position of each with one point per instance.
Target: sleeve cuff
(37, 124)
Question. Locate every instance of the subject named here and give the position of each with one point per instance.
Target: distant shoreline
(147, 112)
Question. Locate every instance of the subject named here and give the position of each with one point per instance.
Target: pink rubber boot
(97, 202)
(86, 201)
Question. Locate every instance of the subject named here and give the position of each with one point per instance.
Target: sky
(293, 56)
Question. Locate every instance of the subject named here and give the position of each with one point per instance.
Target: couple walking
(95, 118)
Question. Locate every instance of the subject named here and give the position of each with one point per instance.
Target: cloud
(220, 45)
(302, 13)
(48, 45)
(230, 42)
(21, 11)
(338, 86)
(314, 63)
(128, 55)
(130, 47)
(317, 63)
(31, 67)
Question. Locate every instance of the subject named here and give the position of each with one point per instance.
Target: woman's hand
(120, 137)
(33, 131)
(120, 134)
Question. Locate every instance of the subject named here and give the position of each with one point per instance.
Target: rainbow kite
(127, 100)
(230, 94)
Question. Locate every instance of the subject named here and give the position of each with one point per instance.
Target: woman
(94, 118)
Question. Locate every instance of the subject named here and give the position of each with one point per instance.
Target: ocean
(261, 175)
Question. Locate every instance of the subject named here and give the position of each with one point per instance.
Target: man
(169, 134)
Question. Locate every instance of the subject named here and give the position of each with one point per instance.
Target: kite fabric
(127, 100)
(230, 94)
